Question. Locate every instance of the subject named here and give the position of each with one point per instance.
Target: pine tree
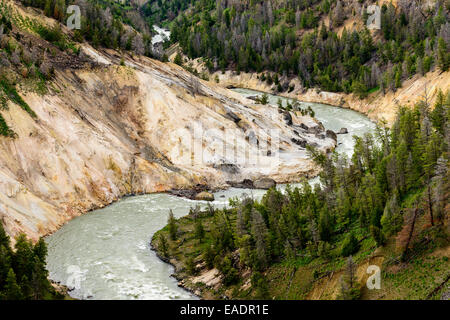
(39, 280)
(12, 290)
(377, 234)
(349, 246)
(325, 225)
(5, 265)
(23, 258)
(349, 287)
(199, 231)
(443, 56)
(259, 234)
(4, 238)
(438, 115)
(441, 180)
(40, 250)
(172, 225)
(163, 245)
(27, 290)
(392, 219)
(178, 59)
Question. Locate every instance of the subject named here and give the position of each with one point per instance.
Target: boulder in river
(331, 134)
(204, 196)
(315, 130)
(245, 184)
(264, 183)
(343, 131)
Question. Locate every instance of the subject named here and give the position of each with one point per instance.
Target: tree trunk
(430, 204)
(411, 231)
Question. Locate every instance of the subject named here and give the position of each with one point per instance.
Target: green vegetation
(21, 62)
(263, 99)
(4, 129)
(290, 38)
(12, 94)
(102, 24)
(23, 275)
(391, 196)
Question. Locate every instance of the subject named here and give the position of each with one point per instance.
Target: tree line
(394, 179)
(290, 38)
(105, 23)
(23, 273)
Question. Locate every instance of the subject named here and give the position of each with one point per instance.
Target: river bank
(104, 253)
(304, 278)
(126, 131)
(376, 106)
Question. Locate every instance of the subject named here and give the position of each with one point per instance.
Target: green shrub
(12, 94)
(349, 246)
(4, 129)
(190, 266)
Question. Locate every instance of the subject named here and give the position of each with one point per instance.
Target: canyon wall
(112, 130)
(376, 106)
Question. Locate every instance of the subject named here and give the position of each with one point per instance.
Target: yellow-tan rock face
(141, 128)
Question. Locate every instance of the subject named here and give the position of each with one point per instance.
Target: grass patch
(373, 90)
(4, 129)
(11, 93)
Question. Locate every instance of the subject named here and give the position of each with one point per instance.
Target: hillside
(290, 38)
(384, 209)
(82, 127)
(91, 115)
(320, 51)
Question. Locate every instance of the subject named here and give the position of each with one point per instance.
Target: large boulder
(204, 196)
(331, 134)
(264, 183)
(343, 131)
(232, 116)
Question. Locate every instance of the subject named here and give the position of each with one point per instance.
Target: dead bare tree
(408, 230)
(195, 85)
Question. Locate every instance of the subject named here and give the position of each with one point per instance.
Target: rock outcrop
(331, 134)
(264, 183)
(204, 196)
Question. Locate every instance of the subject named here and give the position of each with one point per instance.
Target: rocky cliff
(110, 130)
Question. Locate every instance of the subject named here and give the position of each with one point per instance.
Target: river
(105, 254)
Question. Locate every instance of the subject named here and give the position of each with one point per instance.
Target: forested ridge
(104, 23)
(281, 39)
(302, 38)
(391, 194)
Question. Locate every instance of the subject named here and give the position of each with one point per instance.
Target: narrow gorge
(224, 150)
